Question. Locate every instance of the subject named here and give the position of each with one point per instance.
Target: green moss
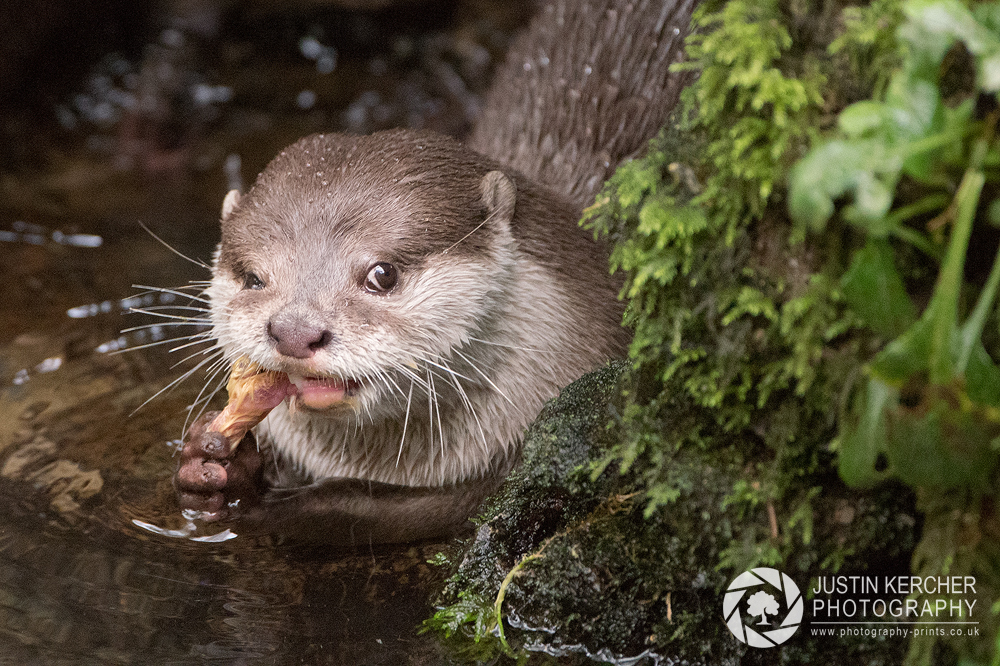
(568, 564)
(784, 339)
(763, 329)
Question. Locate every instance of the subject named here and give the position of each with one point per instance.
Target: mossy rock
(582, 574)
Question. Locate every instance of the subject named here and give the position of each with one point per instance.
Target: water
(80, 581)
(83, 190)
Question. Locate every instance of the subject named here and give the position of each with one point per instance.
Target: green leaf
(989, 73)
(982, 377)
(830, 171)
(872, 200)
(912, 105)
(860, 117)
(905, 356)
(860, 447)
(936, 24)
(936, 445)
(875, 290)
(994, 213)
(953, 19)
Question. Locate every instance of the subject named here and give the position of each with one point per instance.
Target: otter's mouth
(321, 392)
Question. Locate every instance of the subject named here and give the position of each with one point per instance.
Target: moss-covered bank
(574, 568)
(809, 261)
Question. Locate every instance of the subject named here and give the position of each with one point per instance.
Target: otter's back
(585, 87)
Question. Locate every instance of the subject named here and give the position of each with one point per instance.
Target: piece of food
(253, 392)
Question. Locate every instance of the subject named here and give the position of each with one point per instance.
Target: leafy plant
(936, 362)
(774, 327)
(913, 165)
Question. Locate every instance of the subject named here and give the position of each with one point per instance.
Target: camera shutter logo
(765, 589)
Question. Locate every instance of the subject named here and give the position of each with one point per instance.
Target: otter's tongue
(318, 392)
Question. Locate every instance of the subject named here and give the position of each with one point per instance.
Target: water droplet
(172, 38)
(306, 100)
(82, 311)
(231, 167)
(327, 62)
(82, 240)
(310, 47)
(49, 364)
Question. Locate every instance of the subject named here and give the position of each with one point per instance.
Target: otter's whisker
(436, 406)
(213, 371)
(406, 421)
(409, 373)
(368, 410)
(174, 291)
(200, 352)
(446, 369)
(167, 245)
(163, 315)
(174, 383)
(219, 363)
(204, 339)
(157, 343)
(358, 426)
(164, 324)
(173, 306)
(468, 404)
(383, 377)
(485, 376)
(387, 378)
(516, 348)
(430, 411)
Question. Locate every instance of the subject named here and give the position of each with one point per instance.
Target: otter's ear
(230, 203)
(499, 196)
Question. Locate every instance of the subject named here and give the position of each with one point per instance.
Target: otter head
(354, 263)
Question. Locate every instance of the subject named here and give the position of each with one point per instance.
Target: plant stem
(944, 303)
(943, 307)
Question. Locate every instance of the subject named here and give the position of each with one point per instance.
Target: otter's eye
(381, 278)
(251, 281)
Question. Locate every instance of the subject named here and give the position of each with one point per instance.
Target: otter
(425, 296)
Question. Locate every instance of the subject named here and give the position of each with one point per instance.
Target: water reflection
(103, 594)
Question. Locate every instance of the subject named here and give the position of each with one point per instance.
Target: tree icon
(763, 604)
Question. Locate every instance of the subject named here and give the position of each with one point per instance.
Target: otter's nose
(296, 338)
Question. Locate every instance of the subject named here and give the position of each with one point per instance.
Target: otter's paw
(215, 479)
